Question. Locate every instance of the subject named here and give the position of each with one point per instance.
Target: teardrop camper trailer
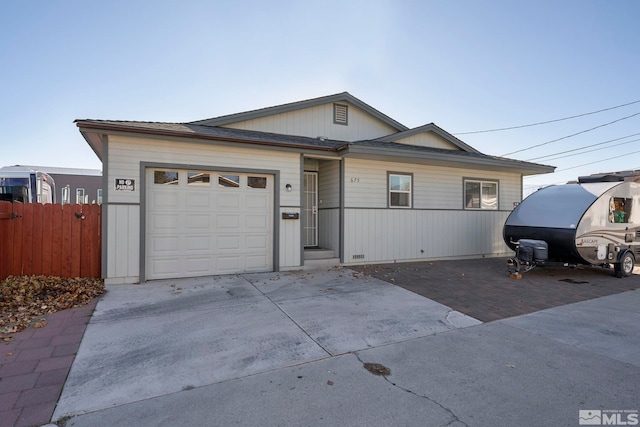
(595, 221)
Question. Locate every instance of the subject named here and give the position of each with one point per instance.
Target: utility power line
(587, 146)
(598, 161)
(570, 136)
(548, 121)
(590, 151)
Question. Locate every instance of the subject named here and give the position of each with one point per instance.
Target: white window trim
(390, 191)
(481, 182)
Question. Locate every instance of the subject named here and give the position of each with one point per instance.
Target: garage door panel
(198, 243)
(200, 266)
(257, 201)
(166, 199)
(163, 222)
(164, 266)
(228, 222)
(228, 243)
(195, 227)
(226, 201)
(198, 200)
(198, 221)
(228, 264)
(256, 262)
(165, 244)
(256, 242)
(256, 223)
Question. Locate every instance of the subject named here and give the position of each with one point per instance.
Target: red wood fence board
(50, 239)
(47, 239)
(37, 251)
(65, 246)
(17, 239)
(27, 236)
(56, 241)
(6, 249)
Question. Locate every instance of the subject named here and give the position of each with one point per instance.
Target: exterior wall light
(288, 187)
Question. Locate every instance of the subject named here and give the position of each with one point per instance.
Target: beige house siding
(318, 122)
(123, 207)
(434, 187)
(389, 235)
(428, 139)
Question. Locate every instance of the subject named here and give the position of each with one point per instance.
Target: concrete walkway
(291, 349)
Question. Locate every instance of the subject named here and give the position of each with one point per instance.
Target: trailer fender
(625, 263)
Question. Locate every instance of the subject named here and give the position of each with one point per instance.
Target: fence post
(6, 228)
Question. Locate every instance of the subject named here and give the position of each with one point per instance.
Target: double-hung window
(400, 187)
(480, 194)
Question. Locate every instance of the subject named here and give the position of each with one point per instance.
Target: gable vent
(340, 115)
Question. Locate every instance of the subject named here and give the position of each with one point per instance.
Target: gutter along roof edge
(85, 125)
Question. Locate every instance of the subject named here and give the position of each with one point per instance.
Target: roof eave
(430, 127)
(285, 108)
(485, 162)
(87, 127)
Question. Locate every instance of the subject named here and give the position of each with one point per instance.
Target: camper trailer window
(480, 194)
(619, 210)
(400, 190)
(14, 189)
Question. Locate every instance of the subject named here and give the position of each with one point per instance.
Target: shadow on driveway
(481, 288)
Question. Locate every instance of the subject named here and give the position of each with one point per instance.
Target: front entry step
(312, 254)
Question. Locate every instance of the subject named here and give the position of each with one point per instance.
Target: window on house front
(400, 190)
(480, 194)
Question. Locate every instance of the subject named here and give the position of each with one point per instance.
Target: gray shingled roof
(367, 147)
(191, 130)
(293, 106)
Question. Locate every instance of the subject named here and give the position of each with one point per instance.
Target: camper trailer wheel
(624, 268)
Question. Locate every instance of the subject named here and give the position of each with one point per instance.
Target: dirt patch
(377, 369)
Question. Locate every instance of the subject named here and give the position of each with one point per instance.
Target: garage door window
(165, 177)
(257, 182)
(228, 181)
(201, 179)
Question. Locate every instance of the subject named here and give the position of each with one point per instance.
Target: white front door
(200, 223)
(310, 209)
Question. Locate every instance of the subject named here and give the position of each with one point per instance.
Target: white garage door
(201, 223)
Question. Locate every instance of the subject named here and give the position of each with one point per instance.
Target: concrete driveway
(164, 337)
(293, 348)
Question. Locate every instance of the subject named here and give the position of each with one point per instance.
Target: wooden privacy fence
(57, 240)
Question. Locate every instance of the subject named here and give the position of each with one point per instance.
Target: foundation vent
(361, 256)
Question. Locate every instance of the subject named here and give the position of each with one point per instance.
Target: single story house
(269, 189)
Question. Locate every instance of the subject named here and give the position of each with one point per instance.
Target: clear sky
(464, 65)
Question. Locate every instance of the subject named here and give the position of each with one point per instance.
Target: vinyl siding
(125, 155)
(329, 229)
(329, 184)
(318, 121)
(389, 235)
(290, 239)
(436, 227)
(428, 139)
(123, 244)
(434, 187)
